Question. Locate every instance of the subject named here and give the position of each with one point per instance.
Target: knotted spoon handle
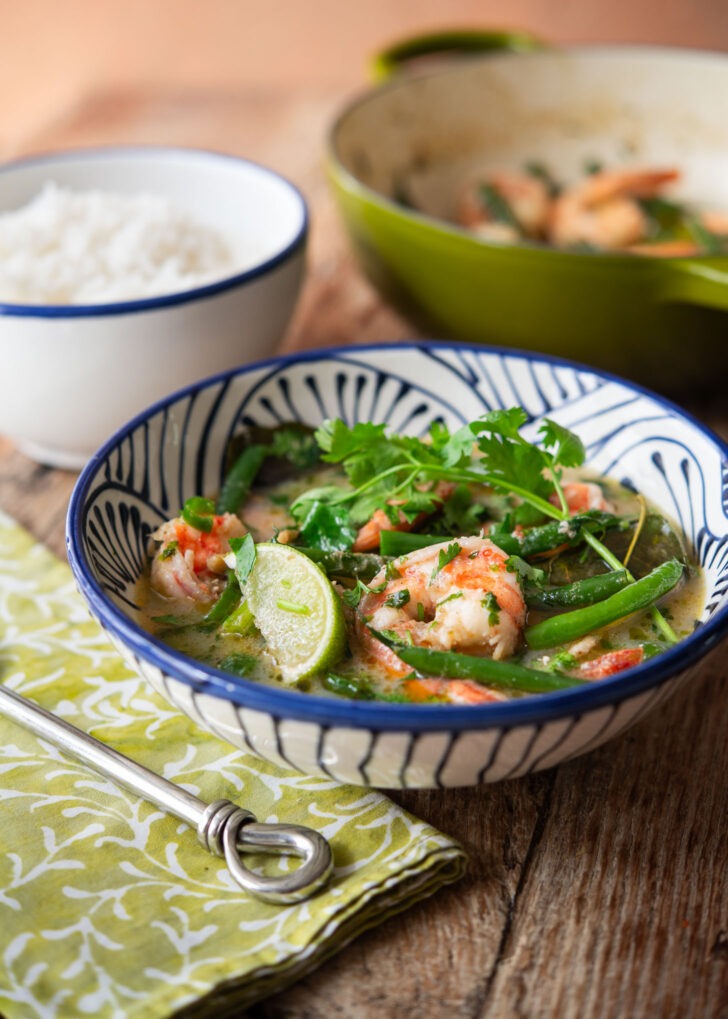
(222, 827)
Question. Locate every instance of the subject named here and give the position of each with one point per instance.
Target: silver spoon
(222, 827)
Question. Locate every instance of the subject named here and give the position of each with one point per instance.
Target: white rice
(97, 247)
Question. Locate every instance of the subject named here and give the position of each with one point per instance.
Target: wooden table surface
(596, 889)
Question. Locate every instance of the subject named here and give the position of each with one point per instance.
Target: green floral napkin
(109, 907)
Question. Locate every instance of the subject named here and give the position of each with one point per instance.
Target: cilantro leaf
(338, 441)
(245, 554)
(460, 514)
(456, 449)
(445, 556)
(351, 596)
(398, 599)
(568, 449)
(506, 455)
(324, 493)
(326, 526)
(506, 423)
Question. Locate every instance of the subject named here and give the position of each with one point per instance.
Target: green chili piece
(486, 671)
(199, 512)
(240, 477)
(580, 592)
(227, 602)
(640, 594)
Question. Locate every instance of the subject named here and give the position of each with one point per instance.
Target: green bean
(396, 543)
(227, 602)
(556, 533)
(533, 541)
(240, 477)
(578, 593)
(486, 671)
(363, 565)
(640, 594)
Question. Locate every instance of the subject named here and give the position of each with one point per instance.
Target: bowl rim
(287, 703)
(348, 181)
(181, 297)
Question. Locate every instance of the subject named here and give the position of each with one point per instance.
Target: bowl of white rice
(128, 273)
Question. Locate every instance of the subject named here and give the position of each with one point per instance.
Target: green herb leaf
(244, 549)
(567, 448)
(497, 206)
(353, 595)
(524, 570)
(490, 603)
(349, 686)
(541, 172)
(326, 526)
(339, 442)
(238, 663)
(445, 556)
(456, 449)
(398, 599)
(512, 459)
(297, 446)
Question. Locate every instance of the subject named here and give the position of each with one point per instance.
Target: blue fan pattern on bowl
(143, 475)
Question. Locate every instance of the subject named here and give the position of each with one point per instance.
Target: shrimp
(601, 209)
(582, 496)
(666, 249)
(454, 691)
(189, 564)
(369, 534)
(713, 221)
(458, 594)
(611, 663)
(527, 198)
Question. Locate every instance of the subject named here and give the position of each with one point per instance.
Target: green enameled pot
(418, 136)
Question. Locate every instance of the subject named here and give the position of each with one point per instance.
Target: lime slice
(296, 610)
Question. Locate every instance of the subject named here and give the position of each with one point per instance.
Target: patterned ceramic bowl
(175, 449)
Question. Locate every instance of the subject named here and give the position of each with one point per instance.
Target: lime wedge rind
(296, 610)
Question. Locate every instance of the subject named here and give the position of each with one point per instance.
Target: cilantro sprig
(398, 474)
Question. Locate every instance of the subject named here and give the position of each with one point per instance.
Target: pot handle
(449, 43)
(694, 282)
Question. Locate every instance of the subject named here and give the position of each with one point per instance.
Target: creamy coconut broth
(450, 589)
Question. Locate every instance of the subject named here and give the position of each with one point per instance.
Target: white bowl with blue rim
(74, 373)
(176, 449)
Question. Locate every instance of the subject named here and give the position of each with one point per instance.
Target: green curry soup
(470, 567)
